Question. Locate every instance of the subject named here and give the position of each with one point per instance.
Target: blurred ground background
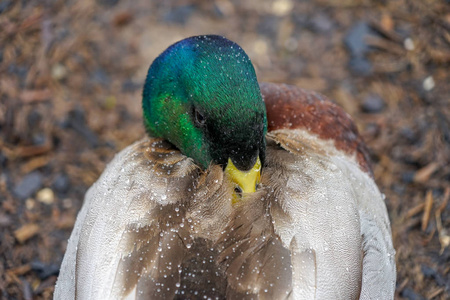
(71, 74)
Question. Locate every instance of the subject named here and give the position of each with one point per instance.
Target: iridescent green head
(201, 94)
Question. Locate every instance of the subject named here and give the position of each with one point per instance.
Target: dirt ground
(71, 74)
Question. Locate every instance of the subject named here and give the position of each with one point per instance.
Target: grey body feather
(154, 226)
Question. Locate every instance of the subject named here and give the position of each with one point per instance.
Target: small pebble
(30, 203)
(428, 83)
(282, 7)
(360, 65)
(372, 104)
(321, 23)
(408, 44)
(291, 44)
(355, 40)
(268, 26)
(39, 138)
(46, 196)
(67, 203)
(77, 120)
(5, 220)
(28, 186)
(260, 47)
(110, 102)
(34, 118)
(130, 86)
(44, 270)
(179, 14)
(59, 72)
(408, 134)
(409, 294)
(100, 76)
(408, 177)
(5, 5)
(61, 184)
(433, 273)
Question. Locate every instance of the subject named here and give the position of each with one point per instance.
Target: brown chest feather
(290, 107)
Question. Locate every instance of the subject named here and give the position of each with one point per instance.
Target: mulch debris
(71, 74)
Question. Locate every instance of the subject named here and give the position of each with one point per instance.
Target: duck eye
(200, 120)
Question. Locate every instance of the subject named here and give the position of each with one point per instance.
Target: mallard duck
(240, 191)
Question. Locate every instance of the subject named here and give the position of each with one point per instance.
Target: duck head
(201, 94)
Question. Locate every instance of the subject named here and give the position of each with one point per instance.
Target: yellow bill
(245, 182)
